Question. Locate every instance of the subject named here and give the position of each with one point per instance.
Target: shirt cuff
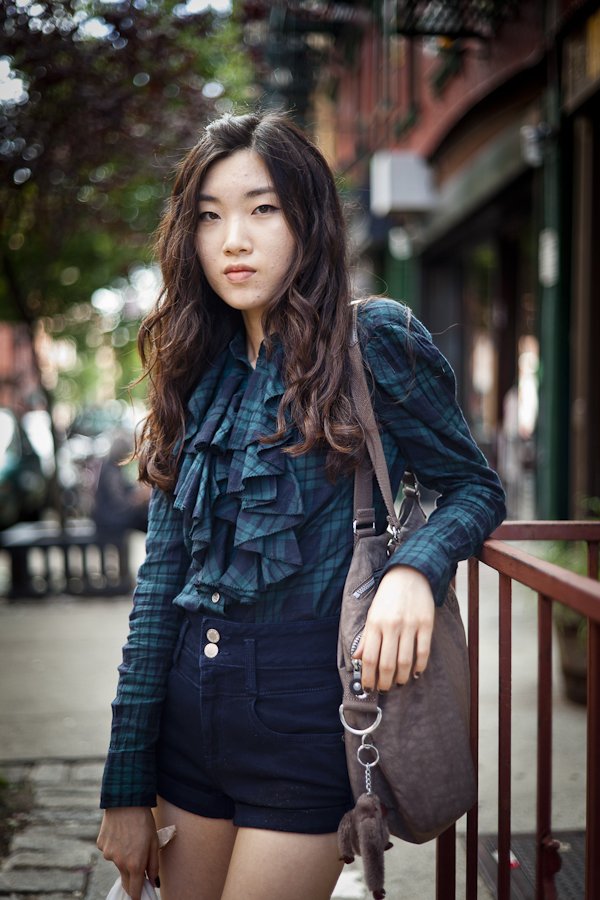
(129, 779)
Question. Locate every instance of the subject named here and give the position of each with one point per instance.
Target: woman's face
(243, 241)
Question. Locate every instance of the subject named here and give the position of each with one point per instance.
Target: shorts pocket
(305, 715)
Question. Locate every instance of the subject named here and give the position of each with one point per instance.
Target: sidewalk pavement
(54, 856)
(58, 663)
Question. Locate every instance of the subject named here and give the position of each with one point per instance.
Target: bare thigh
(269, 865)
(194, 865)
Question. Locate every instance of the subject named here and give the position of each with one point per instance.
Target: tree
(100, 99)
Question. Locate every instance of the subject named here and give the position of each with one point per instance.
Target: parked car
(23, 482)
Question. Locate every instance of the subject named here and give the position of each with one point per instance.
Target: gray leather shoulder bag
(409, 746)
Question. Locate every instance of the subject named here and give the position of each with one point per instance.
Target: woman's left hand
(398, 629)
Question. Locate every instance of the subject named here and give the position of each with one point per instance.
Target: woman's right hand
(128, 838)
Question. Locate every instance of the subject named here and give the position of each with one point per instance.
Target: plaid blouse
(257, 535)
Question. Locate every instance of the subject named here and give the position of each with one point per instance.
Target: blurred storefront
(580, 113)
(466, 137)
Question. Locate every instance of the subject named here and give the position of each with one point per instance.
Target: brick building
(467, 137)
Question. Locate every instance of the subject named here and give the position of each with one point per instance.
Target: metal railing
(552, 583)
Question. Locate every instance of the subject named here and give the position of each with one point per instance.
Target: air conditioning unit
(401, 182)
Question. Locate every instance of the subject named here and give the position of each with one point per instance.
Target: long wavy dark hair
(310, 314)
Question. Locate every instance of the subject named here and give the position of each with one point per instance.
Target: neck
(254, 336)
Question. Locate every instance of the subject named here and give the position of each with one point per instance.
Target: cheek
(198, 244)
(203, 252)
(286, 250)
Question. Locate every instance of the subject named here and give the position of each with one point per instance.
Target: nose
(236, 239)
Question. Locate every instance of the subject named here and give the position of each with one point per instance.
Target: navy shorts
(250, 728)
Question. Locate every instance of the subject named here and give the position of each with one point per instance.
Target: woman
(226, 716)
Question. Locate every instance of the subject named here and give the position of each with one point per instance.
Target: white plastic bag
(117, 891)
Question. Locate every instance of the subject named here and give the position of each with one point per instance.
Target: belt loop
(180, 639)
(250, 654)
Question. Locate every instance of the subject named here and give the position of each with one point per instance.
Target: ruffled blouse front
(240, 498)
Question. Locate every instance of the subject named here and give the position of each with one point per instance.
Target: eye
(207, 216)
(265, 209)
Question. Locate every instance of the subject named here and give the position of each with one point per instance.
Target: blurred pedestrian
(120, 505)
(226, 717)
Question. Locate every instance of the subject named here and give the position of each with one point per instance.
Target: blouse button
(215, 597)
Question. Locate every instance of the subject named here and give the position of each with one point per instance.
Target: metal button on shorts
(211, 650)
(213, 635)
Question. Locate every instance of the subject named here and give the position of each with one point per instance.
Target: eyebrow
(255, 192)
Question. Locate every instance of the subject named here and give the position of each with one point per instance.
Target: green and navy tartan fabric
(255, 534)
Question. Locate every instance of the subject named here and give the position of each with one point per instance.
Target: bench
(47, 559)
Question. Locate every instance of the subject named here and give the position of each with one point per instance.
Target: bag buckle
(360, 731)
(362, 528)
(394, 529)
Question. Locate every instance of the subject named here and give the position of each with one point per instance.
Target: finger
(152, 868)
(370, 658)
(423, 650)
(406, 655)
(388, 657)
(136, 883)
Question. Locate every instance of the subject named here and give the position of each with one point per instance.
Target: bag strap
(411, 513)
(364, 511)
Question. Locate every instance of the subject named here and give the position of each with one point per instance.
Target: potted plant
(571, 627)
(571, 630)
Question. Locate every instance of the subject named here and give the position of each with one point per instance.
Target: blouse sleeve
(415, 402)
(154, 623)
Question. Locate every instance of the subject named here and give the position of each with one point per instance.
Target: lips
(236, 274)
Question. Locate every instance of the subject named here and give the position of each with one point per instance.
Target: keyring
(368, 747)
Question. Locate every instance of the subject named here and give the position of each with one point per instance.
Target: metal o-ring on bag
(360, 731)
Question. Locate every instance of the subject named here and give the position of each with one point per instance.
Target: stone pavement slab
(52, 896)
(40, 879)
(101, 879)
(54, 856)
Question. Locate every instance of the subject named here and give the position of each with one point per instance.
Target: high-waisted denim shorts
(250, 728)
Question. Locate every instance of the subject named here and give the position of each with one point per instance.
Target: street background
(465, 140)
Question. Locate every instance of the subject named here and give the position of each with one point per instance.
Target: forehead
(243, 169)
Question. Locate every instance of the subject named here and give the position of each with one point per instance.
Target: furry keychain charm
(363, 831)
